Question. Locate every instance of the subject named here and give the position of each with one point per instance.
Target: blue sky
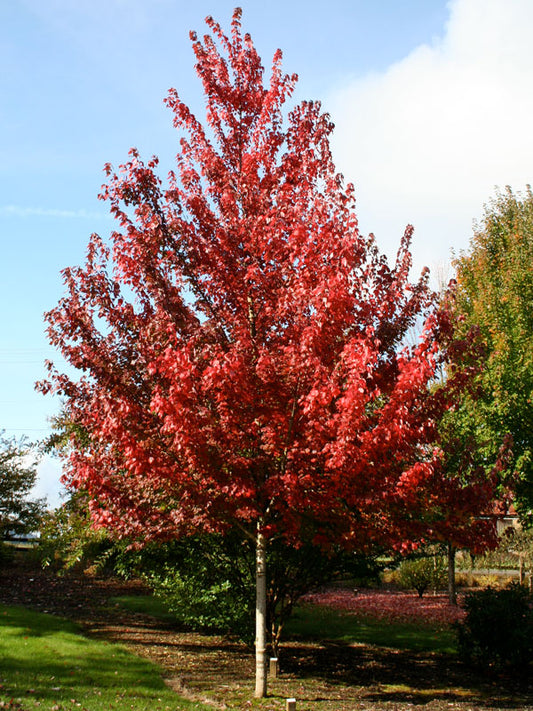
(432, 103)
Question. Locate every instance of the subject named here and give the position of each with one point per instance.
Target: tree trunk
(472, 566)
(260, 615)
(452, 595)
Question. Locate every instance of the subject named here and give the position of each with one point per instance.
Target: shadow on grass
(400, 676)
(379, 662)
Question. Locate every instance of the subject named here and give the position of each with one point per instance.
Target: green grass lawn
(324, 623)
(145, 604)
(318, 622)
(45, 662)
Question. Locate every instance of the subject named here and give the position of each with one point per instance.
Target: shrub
(492, 580)
(422, 573)
(68, 541)
(207, 580)
(465, 580)
(498, 627)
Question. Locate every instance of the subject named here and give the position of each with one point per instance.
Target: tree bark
(452, 594)
(260, 615)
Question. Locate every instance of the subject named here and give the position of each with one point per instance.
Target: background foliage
(495, 295)
(19, 512)
(498, 628)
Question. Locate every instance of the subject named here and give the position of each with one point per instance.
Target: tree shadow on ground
(400, 676)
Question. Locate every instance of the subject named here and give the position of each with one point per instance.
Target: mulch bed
(327, 676)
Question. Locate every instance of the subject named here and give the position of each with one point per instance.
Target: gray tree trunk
(452, 594)
(260, 615)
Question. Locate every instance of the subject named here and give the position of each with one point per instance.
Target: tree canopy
(495, 294)
(19, 512)
(241, 346)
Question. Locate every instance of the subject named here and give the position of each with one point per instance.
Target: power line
(21, 362)
(24, 429)
(24, 349)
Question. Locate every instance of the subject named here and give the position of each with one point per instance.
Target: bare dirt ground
(322, 677)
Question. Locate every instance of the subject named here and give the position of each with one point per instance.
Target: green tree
(19, 513)
(495, 295)
(69, 541)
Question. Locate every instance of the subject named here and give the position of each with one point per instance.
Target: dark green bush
(498, 628)
(206, 585)
(208, 581)
(6, 555)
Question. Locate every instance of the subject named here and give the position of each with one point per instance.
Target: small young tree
(240, 342)
(422, 573)
(19, 513)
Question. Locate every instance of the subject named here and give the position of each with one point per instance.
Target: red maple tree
(241, 343)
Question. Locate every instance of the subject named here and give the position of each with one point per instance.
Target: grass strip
(45, 662)
(319, 622)
(147, 605)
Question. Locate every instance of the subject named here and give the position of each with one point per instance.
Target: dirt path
(322, 677)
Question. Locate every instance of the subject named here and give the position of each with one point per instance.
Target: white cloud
(427, 141)
(48, 483)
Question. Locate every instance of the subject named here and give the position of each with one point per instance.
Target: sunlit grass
(320, 622)
(324, 623)
(46, 662)
(145, 604)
